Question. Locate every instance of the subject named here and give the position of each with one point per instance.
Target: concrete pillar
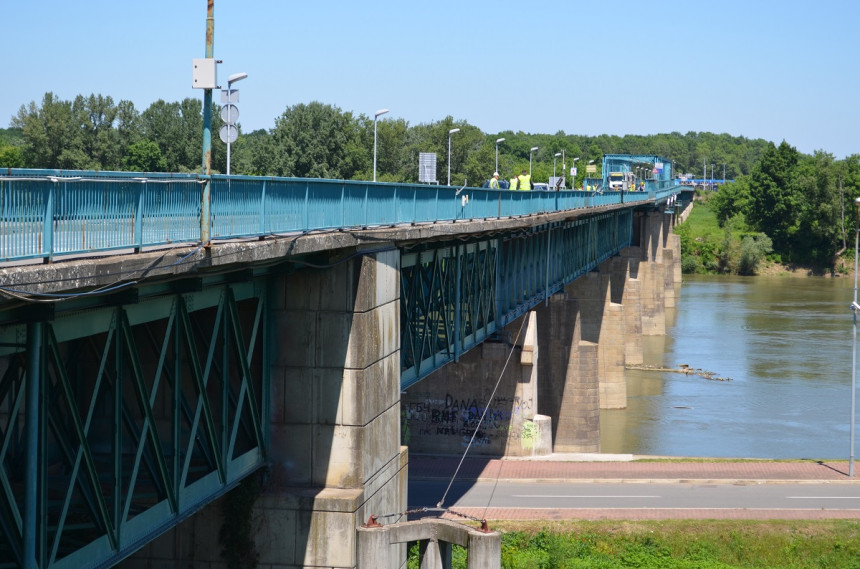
(602, 323)
(335, 451)
(675, 246)
(631, 299)
(568, 378)
(652, 274)
(485, 551)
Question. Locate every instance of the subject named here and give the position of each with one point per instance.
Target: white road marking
(575, 496)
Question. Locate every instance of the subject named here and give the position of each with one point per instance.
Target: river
(784, 342)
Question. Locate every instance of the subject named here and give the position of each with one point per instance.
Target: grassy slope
(677, 544)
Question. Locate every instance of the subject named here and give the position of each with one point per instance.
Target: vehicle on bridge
(622, 181)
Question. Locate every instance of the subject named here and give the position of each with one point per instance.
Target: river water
(786, 345)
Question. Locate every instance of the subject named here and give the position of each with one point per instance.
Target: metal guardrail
(48, 213)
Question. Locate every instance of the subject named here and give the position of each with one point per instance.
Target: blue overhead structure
(655, 171)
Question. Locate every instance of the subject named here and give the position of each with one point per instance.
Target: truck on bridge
(622, 181)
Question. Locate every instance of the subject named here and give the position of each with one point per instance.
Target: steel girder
(140, 414)
(454, 295)
(447, 304)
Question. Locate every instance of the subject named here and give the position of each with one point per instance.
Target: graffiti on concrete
(460, 417)
(530, 435)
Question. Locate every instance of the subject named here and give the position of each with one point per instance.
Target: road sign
(228, 133)
(230, 113)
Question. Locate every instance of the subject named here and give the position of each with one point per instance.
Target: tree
(177, 130)
(776, 198)
(317, 141)
(10, 157)
(96, 144)
(144, 156)
(47, 131)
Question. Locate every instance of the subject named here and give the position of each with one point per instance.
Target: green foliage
(10, 157)
(317, 141)
(680, 544)
(702, 240)
(144, 156)
(753, 250)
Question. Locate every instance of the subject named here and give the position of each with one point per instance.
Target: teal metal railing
(48, 213)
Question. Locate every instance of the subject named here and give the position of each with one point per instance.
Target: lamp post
(497, 152)
(854, 308)
(376, 115)
(450, 132)
(229, 113)
(563, 167)
(532, 151)
(554, 156)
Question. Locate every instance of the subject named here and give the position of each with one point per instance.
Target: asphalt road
(526, 499)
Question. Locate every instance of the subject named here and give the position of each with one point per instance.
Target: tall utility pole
(207, 128)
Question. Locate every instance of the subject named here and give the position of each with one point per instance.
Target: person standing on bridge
(494, 181)
(513, 185)
(525, 181)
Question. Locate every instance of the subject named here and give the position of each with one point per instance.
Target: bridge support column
(569, 382)
(656, 275)
(627, 270)
(336, 412)
(602, 323)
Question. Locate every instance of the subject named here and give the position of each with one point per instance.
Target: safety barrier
(47, 213)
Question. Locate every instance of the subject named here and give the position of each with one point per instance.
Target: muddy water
(786, 344)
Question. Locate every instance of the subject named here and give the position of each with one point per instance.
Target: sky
(773, 69)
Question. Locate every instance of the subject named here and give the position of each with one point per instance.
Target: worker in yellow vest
(494, 181)
(525, 181)
(513, 185)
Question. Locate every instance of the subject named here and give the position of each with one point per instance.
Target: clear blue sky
(778, 70)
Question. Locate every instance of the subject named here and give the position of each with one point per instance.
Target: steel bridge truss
(454, 295)
(118, 423)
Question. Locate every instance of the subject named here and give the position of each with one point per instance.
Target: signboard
(229, 96)
(573, 171)
(591, 169)
(427, 167)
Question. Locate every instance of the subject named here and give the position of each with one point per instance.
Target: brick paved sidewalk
(556, 468)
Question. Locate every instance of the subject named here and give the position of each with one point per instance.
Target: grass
(675, 544)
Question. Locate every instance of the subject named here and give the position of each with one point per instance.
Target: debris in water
(683, 368)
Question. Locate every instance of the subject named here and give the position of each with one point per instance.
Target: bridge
(164, 337)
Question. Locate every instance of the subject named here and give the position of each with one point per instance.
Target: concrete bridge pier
(569, 381)
(335, 450)
(660, 274)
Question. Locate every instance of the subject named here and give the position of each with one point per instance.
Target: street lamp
(497, 152)
(232, 113)
(554, 156)
(854, 307)
(376, 115)
(450, 132)
(532, 151)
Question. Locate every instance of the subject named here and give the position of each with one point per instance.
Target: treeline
(803, 203)
(319, 140)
